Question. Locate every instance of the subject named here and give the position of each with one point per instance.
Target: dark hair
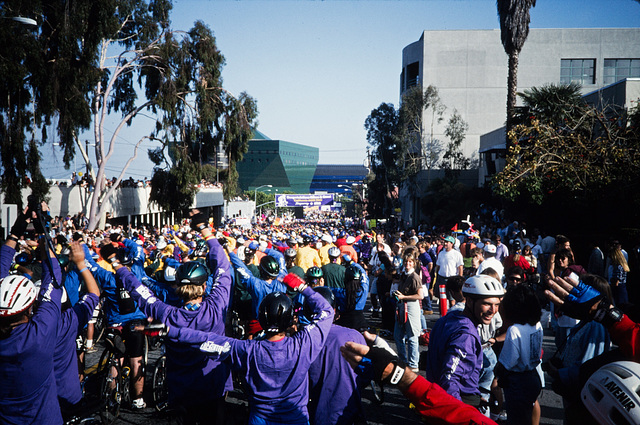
(515, 270)
(564, 253)
(520, 305)
(454, 287)
(598, 283)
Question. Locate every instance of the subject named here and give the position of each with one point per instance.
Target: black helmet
(63, 259)
(276, 312)
(314, 272)
(290, 253)
(352, 273)
(269, 266)
(123, 257)
(201, 248)
(192, 273)
(515, 245)
(23, 258)
(327, 294)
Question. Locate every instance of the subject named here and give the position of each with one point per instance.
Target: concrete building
(469, 69)
(284, 165)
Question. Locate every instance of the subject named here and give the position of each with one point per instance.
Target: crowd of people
(282, 309)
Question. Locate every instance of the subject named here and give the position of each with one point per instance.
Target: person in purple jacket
(334, 387)
(275, 367)
(72, 321)
(197, 383)
(454, 359)
(27, 339)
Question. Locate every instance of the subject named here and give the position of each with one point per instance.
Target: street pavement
(394, 410)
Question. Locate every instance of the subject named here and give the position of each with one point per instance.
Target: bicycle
(155, 332)
(113, 377)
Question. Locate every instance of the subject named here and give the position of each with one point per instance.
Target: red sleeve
(626, 334)
(434, 403)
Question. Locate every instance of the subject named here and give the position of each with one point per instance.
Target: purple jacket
(335, 396)
(193, 377)
(65, 358)
(28, 386)
(454, 359)
(276, 373)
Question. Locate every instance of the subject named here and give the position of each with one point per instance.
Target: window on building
(413, 74)
(579, 70)
(619, 69)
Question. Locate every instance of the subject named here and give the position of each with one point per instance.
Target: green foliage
(382, 128)
(586, 156)
(453, 159)
(448, 199)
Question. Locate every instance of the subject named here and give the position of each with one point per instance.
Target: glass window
(619, 69)
(578, 70)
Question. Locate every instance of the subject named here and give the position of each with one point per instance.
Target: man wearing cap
(327, 243)
(348, 249)
(489, 260)
(449, 262)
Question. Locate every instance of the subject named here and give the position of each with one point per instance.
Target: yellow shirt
(307, 257)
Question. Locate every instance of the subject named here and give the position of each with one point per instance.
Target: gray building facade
(469, 69)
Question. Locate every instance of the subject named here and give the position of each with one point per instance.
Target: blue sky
(318, 68)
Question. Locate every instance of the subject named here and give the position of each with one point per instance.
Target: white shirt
(522, 347)
(449, 261)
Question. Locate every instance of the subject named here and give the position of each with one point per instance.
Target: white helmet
(170, 274)
(17, 293)
(611, 393)
(161, 244)
(482, 286)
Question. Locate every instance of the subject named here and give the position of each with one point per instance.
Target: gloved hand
(199, 221)
(20, 226)
(294, 282)
(580, 301)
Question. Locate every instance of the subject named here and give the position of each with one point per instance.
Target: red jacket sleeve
(434, 403)
(626, 334)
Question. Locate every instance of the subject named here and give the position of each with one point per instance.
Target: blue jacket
(259, 288)
(107, 281)
(341, 295)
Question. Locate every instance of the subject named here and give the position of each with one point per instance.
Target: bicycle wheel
(100, 325)
(159, 384)
(110, 375)
(378, 392)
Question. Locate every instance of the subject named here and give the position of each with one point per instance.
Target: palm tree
(514, 29)
(551, 103)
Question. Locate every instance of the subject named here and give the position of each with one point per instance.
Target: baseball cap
(450, 239)
(490, 248)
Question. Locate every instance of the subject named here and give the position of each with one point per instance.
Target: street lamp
(255, 196)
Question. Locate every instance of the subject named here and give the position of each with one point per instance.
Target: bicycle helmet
(611, 394)
(276, 312)
(23, 258)
(483, 286)
(17, 294)
(63, 259)
(269, 266)
(290, 253)
(346, 259)
(334, 252)
(191, 273)
(170, 274)
(327, 294)
(201, 248)
(352, 273)
(314, 274)
(123, 257)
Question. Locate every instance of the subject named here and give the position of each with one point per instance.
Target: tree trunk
(512, 87)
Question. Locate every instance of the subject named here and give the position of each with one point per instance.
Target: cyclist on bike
(123, 314)
(275, 367)
(195, 381)
(27, 338)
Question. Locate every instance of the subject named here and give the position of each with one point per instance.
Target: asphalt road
(394, 410)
